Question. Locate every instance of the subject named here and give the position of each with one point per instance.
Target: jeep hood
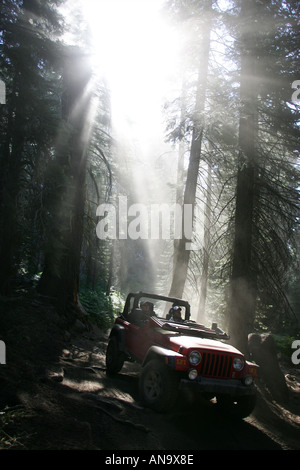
(192, 342)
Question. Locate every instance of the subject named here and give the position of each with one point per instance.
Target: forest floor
(55, 395)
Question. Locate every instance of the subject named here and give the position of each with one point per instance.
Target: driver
(147, 308)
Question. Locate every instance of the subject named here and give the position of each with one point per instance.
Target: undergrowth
(284, 343)
(102, 308)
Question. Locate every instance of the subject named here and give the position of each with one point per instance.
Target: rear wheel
(158, 386)
(237, 408)
(114, 357)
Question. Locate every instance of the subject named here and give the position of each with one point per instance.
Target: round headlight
(195, 358)
(238, 363)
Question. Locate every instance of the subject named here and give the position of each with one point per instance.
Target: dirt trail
(63, 399)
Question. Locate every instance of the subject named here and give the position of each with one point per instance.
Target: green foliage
(102, 308)
(284, 344)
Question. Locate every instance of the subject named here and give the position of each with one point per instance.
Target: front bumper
(218, 386)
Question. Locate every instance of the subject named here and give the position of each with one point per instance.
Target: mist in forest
(151, 169)
(155, 70)
(147, 165)
(191, 144)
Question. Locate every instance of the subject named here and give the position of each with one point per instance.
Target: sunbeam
(135, 50)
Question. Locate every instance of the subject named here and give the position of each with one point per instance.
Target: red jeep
(179, 352)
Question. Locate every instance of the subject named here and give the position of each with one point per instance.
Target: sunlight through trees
(160, 102)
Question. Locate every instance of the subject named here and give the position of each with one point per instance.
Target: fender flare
(162, 353)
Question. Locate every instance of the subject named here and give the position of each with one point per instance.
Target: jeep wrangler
(176, 353)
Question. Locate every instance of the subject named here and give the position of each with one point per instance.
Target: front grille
(215, 365)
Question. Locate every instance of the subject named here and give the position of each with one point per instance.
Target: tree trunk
(60, 278)
(109, 283)
(206, 249)
(180, 163)
(182, 253)
(243, 277)
(12, 166)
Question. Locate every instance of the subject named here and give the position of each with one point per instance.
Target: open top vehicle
(177, 353)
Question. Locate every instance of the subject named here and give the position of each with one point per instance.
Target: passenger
(170, 312)
(176, 314)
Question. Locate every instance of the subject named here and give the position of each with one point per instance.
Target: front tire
(158, 386)
(114, 358)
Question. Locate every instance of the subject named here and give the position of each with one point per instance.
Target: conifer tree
(28, 55)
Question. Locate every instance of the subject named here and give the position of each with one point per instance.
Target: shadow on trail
(204, 428)
(194, 424)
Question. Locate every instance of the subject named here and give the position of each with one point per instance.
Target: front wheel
(114, 358)
(158, 386)
(237, 408)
